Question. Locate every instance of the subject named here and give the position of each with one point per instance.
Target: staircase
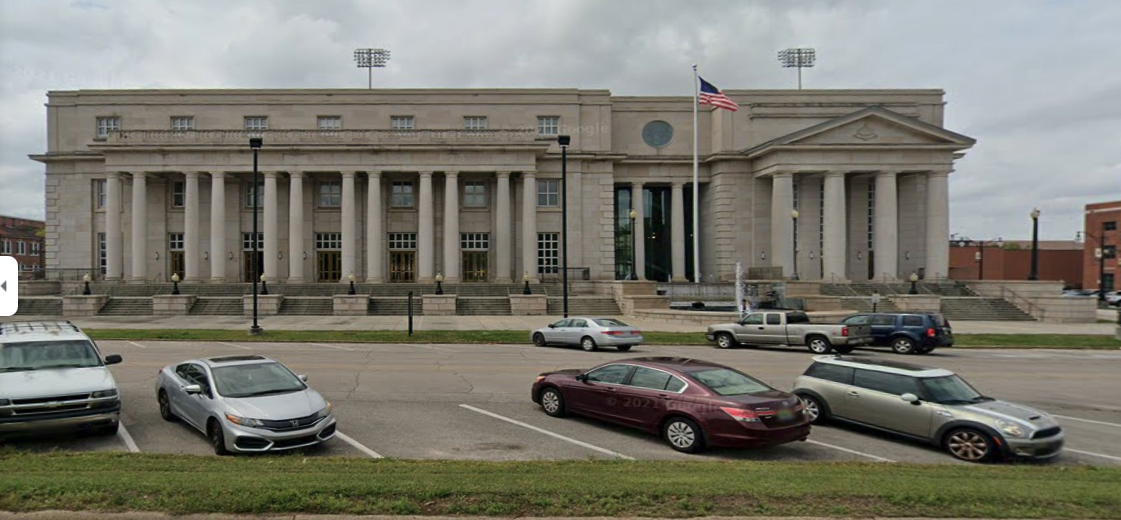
(401, 290)
(982, 309)
(324, 290)
(307, 306)
(584, 306)
(218, 306)
(887, 289)
(121, 306)
(865, 304)
(394, 307)
(483, 306)
(137, 291)
(218, 290)
(39, 307)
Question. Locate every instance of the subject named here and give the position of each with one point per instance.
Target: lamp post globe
(439, 283)
(526, 280)
(86, 278)
(914, 281)
(351, 290)
(264, 285)
(175, 283)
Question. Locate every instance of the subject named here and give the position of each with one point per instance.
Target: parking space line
(1103, 423)
(846, 450)
(1092, 454)
(357, 445)
(135, 344)
(232, 345)
(122, 432)
(547, 432)
(329, 346)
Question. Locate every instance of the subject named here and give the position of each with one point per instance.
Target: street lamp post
(794, 239)
(255, 143)
(86, 278)
(980, 257)
(564, 141)
(439, 283)
(914, 280)
(1034, 274)
(264, 285)
(525, 279)
(175, 283)
(633, 214)
(351, 291)
(875, 300)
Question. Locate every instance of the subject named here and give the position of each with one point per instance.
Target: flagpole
(696, 187)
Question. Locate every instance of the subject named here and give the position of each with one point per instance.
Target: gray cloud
(1031, 80)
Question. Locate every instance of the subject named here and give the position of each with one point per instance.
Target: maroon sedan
(690, 403)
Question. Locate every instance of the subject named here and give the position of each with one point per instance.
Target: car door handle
(608, 389)
(663, 397)
(854, 394)
(760, 328)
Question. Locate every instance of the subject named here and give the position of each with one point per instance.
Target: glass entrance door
(475, 266)
(178, 265)
(329, 266)
(247, 272)
(402, 266)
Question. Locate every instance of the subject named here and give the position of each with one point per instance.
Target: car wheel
(818, 345)
(217, 438)
(842, 349)
(165, 407)
(970, 445)
(817, 412)
(683, 435)
(623, 348)
(903, 345)
(553, 403)
(725, 340)
(588, 344)
(539, 340)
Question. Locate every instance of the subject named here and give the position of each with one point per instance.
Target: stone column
(114, 256)
(451, 227)
(272, 238)
(529, 224)
(677, 230)
(885, 226)
(191, 228)
(218, 227)
(502, 238)
(782, 222)
(139, 226)
(835, 241)
(349, 216)
(296, 227)
(937, 225)
(375, 235)
(425, 239)
(638, 203)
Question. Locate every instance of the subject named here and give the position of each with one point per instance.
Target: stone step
(482, 306)
(218, 307)
(394, 307)
(127, 307)
(297, 306)
(584, 305)
(39, 307)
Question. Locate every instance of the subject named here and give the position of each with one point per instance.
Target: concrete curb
(138, 515)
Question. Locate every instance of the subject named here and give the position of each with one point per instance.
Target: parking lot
(472, 401)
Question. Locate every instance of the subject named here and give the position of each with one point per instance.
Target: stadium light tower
(799, 57)
(370, 58)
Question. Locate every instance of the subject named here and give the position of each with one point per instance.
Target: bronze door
(247, 272)
(329, 266)
(475, 266)
(402, 266)
(178, 265)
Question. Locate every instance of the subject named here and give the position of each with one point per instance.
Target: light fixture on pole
(914, 280)
(86, 278)
(564, 141)
(351, 291)
(255, 143)
(175, 283)
(525, 279)
(798, 57)
(439, 283)
(264, 285)
(794, 239)
(875, 300)
(370, 58)
(634, 215)
(1034, 274)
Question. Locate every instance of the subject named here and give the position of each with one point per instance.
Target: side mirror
(583, 378)
(193, 389)
(552, 325)
(113, 359)
(910, 398)
(302, 378)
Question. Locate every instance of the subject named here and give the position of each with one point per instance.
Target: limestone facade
(404, 185)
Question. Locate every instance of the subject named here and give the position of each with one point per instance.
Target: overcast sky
(1037, 83)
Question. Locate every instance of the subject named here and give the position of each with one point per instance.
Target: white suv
(53, 377)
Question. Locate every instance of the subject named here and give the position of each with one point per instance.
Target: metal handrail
(1032, 308)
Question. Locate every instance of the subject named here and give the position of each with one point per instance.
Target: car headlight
(243, 421)
(101, 394)
(325, 411)
(1010, 428)
(5, 402)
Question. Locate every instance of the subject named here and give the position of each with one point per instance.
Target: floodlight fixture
(369, 59)
(798, 57)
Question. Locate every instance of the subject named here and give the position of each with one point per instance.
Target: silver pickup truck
(792, 328)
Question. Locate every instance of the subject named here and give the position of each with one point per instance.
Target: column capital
(296, 174)
(271, 174)
(638, 184)
(217, 175)
(424, 175)
(889, 173)
(113, 174)
(529, 174)
(836, 173)
(191, 174)
(783, 174)
(373, 174)
(502, 175)
(939, 173)
(451, 174)
(349, 174)
(140, 175)
(678, 185)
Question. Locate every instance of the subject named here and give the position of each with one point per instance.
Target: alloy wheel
(903, 346)
(539, 339)
(725, 341)
(681, 435)
(819, 346)
(968, 445)
(812, 410)
(550, 401)
(165, 407)
(588, 344)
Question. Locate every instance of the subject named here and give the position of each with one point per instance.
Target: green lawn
(1066, 341)
(182, 484)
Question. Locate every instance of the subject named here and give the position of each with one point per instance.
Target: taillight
(844, 331)
(740, 414)
(613, 332)
(930, 333)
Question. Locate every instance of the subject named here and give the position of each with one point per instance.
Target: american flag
(710, 95)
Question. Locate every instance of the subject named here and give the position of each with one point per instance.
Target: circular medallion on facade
(657, 133)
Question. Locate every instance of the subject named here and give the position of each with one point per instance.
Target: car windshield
(725, 381)
(608, 322)
(951, 390)
(256, 379)
(42, 355)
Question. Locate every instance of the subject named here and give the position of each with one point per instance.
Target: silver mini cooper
(929, 404)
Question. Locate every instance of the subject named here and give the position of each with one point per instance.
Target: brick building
(23, 239)
(1101, 235)
(1059, 260)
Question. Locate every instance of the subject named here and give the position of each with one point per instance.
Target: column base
(503, 279)
(375, 279)
(426, 279)
(296, 279)
(136, 280)
(680, 279)
(451, 279)
(218, 280)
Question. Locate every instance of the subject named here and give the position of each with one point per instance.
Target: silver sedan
(244, 404)
(589, 333)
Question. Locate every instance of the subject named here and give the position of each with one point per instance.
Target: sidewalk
(526, 323)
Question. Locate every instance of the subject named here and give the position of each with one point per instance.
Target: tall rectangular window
(107, 124)
(402, 241)
(474, 123)
(247, 241)
(175, 242)
(475, 194)
(99, 192)
(249, 192)
(330, 122)
(182, 123)
(6, 247)
(871, 215)
(474, 241)
(178, 193)
(402, 123)
(1109, 226)
(256, 123)
(402, 194)
(548, 253)
(102, 254)
(21, 248)
(35, 249)
(330, 194)
(328, 241)
(548, 192)
(548, 125)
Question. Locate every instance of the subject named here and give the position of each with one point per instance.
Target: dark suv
(906, 333)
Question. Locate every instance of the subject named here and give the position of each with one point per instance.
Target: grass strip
(181, 484)
(1061, 341)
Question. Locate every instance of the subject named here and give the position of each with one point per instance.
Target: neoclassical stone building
(402, 185)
